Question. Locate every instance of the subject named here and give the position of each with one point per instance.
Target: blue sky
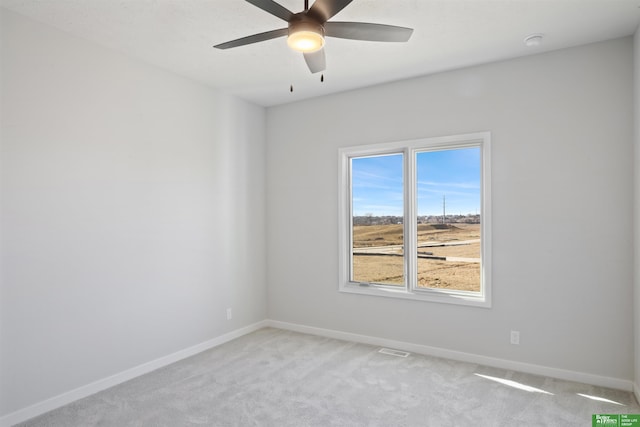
(455, 174)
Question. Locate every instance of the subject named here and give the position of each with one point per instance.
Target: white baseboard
(636, 392)
(96, 386)
(581, 377)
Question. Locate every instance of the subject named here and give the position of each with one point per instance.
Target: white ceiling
(178, 35)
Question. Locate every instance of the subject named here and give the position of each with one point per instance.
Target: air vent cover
(391, 352)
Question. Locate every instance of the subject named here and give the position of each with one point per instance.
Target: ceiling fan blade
(367, 31)
(273, 8)
(323, 10)
(316, 61)
(253, 39)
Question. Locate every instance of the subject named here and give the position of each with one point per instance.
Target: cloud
(465, 185)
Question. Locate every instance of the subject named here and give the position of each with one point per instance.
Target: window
(415, 219)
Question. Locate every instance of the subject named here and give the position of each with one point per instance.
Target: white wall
(562, 207)
(132, 213)
(636, 304)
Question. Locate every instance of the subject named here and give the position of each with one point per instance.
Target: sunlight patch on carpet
(599, 399)
(514, 384)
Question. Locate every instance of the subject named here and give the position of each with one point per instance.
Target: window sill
(445, 297)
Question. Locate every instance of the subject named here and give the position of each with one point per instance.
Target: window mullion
(410, 221)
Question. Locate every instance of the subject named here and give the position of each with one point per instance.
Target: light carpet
(280, 378)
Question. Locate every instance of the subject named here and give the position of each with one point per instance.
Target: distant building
(423, 219)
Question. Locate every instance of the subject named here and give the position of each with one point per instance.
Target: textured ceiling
(178, 35)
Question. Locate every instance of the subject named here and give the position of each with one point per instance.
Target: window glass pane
(448, 203)
(377, 229)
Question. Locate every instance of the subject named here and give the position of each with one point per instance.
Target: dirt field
(432, 273)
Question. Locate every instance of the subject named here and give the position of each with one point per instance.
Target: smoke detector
(533, 40)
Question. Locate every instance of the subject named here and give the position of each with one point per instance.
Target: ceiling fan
(307, 29)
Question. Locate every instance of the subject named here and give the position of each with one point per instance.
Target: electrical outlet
(229, 314)
(515, 337)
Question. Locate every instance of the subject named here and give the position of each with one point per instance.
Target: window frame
(409, 149)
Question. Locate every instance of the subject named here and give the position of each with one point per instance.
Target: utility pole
(444, 209)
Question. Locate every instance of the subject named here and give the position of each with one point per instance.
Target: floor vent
(391, 352)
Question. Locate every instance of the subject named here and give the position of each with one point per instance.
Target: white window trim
(409, 148)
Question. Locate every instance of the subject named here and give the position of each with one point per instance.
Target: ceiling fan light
(305, 41)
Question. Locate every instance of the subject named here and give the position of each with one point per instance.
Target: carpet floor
(280, 378)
